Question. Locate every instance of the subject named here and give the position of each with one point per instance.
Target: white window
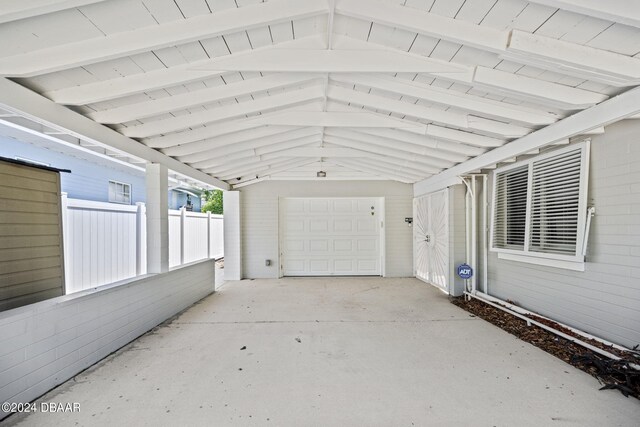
(119, 192)
(539, 208)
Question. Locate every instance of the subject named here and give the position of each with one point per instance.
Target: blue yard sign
(465, 271)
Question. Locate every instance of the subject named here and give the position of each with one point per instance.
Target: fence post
(64, 213)
(183, 218)
(140, 222)
(209, 234)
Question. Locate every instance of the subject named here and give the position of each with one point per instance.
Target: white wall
(259, 212)
(46, 343)
(604, 299)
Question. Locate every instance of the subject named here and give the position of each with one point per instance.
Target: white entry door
(431, 238)
(330, 236)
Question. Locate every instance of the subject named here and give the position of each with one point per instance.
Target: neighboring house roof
(33, 165)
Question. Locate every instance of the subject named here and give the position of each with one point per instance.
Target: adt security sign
(465, 271)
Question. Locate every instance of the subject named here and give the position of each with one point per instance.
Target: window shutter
(555, 203)
(510, 212)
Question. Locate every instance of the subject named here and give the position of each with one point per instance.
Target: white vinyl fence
(106, 242)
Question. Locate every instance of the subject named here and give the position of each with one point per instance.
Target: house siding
(604, 300)
(259, 212)
(87, 180)
(45, 344)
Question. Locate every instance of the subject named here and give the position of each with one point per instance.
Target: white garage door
(330, 236)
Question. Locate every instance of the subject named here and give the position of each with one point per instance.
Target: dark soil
(611, 374)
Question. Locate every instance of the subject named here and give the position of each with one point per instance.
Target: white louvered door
(431, 238)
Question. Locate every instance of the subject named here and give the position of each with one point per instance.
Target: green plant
(213, 202)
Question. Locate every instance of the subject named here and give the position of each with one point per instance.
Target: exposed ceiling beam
(268, 166)
(144, 39)
(268, 103)
(397, 176)
(334, 61)
(457, 148)
(569, 58)
(19, 99)
(562, 96)
(222, 159)
(610, 111)
(488, 126)
(543, 51)
(210, 153)
(236, 138)
(157, 79)
(450, 98)
(422, 154)
(418, 21)
(206, 96)
(421, 150)
(205, 132)
(337, 119)
(386, 152)
(13, 10)
(623, 11)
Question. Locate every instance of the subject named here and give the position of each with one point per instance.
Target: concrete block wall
(45, 344)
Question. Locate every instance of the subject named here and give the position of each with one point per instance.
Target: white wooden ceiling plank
(191, 8)
(353, 28)
(220, 5)
(470, 56)
(147, 61)
(44, 32)
(430, 24)
(532, 17)
(448, 8)
(445, 50)
(227, 112)
(503, 13)
(238, 42)
(419, 4)
(391, 37)
(157, 37)
(474, 11)
(586, 30)
(373, 165)
(116, 16)
(14, 10)
(259, 37)
(215, 46)
(281, 32)
(266, 172)
(618, 38)
(163, 11)
(310, 26)
(624, 11)
(192, 52)
(559, 24)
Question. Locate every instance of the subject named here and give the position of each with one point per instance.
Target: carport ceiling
(245, 90)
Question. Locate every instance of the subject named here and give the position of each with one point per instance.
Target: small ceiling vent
(321, 174)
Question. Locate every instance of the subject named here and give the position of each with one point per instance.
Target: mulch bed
(611, 374)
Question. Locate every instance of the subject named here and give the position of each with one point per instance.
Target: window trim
(111, 181)
(572, 262)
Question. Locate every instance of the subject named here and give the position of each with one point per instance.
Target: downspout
(485, 236)
(474, 235)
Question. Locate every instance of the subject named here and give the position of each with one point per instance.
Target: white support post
(183, 220)
(209, 243)
(157, 218)
(232, 236)
(140, 217)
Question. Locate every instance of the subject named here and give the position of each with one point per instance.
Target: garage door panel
(319, 245)
(318, 206)
(318, 225)
(294, 245)
(327, 236)
(319, 266)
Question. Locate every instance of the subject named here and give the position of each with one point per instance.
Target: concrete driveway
(332, 352)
